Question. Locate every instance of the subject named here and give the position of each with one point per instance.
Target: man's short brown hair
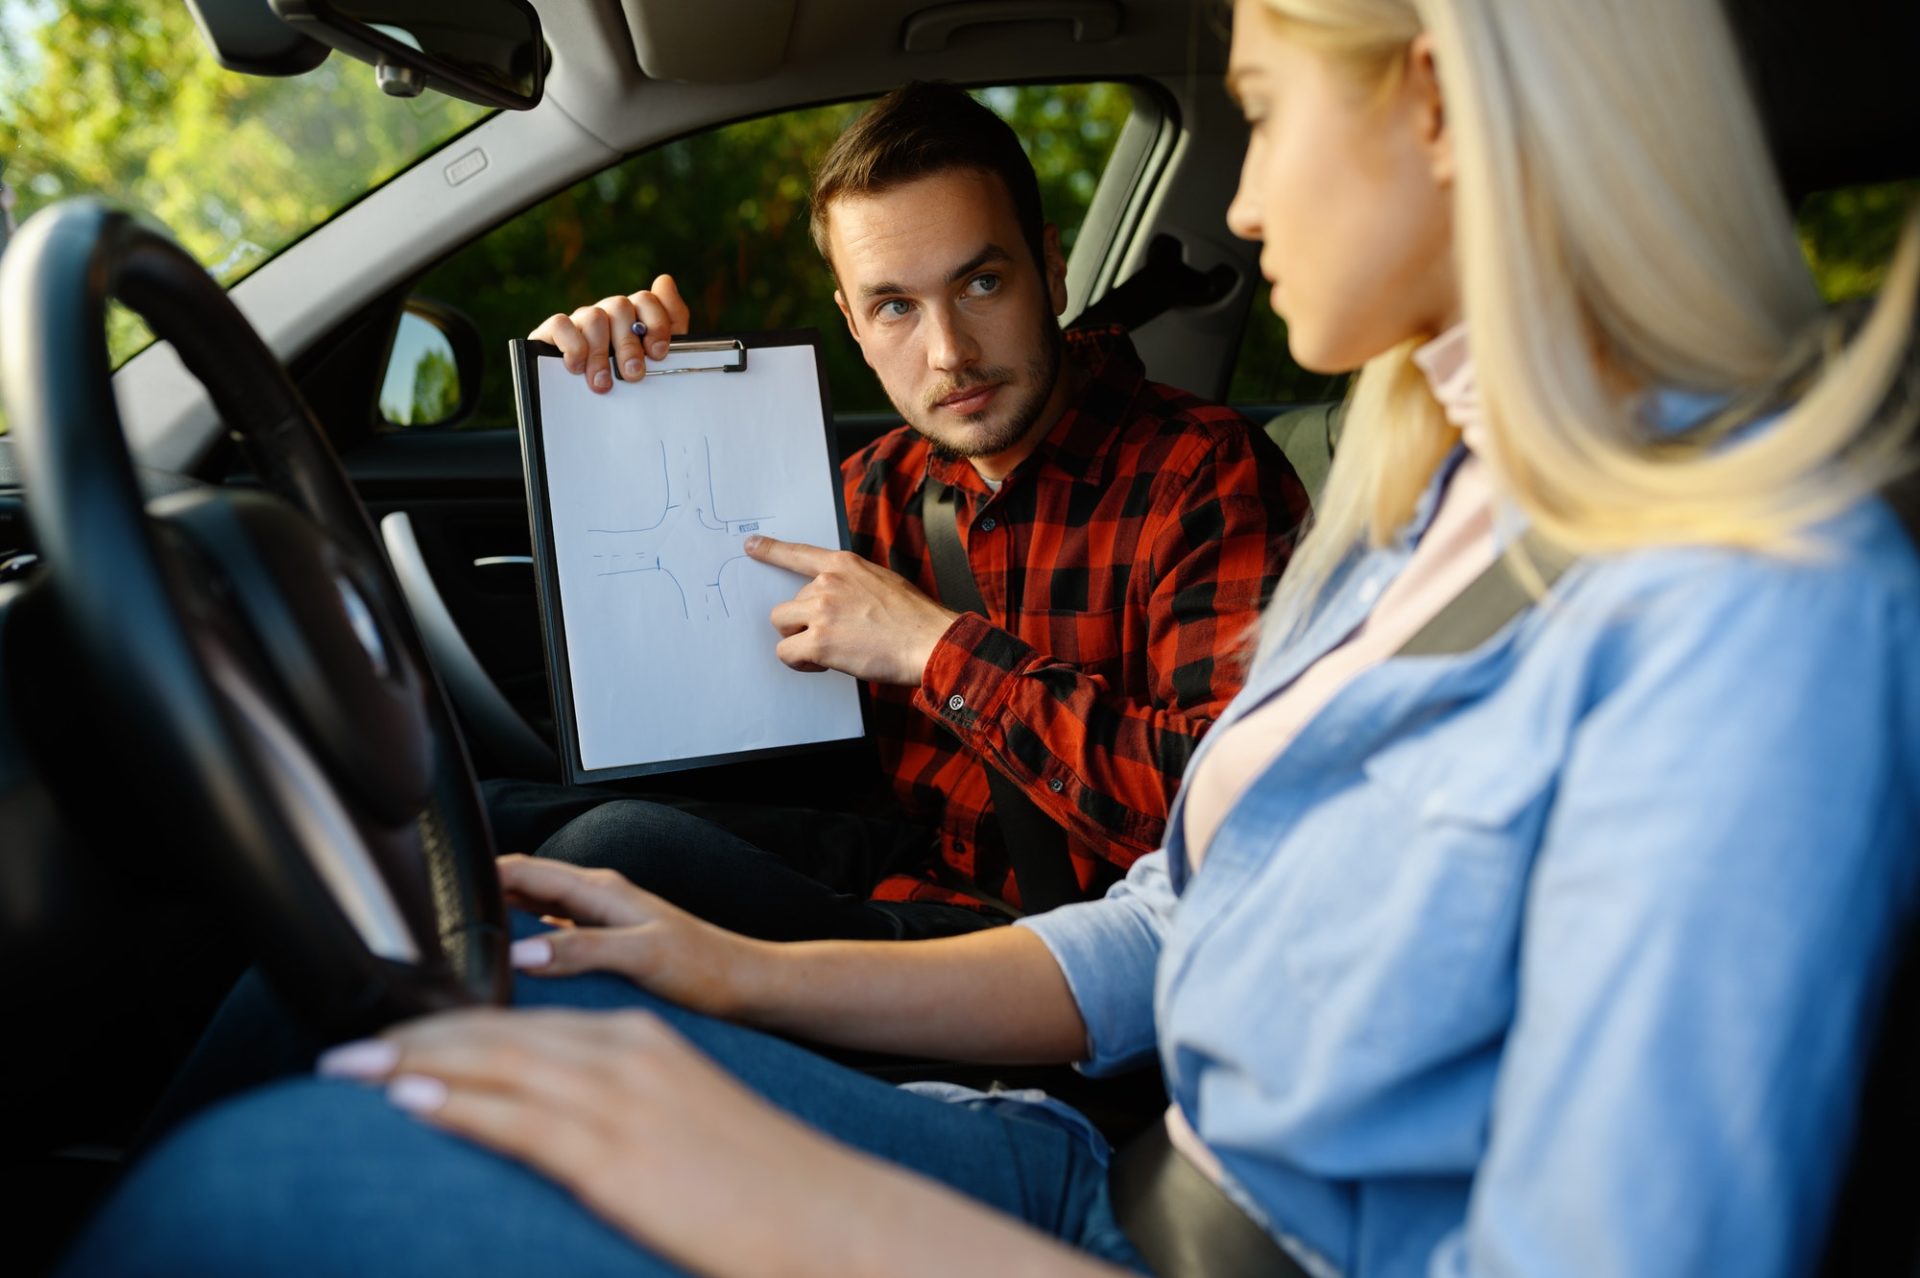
(919, 130)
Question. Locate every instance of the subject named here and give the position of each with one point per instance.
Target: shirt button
(987, 524)
(1056, 785)
(956, 702)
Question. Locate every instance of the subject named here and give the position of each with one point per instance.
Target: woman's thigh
(319, 1177)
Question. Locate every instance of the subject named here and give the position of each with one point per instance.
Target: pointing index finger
(794, 556)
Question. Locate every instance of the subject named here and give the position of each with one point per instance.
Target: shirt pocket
(1410, 923)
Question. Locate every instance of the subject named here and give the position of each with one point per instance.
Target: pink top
(1457, 547)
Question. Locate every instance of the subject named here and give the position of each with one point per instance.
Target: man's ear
(1056, 268)
(846, 313)
(1429, 105)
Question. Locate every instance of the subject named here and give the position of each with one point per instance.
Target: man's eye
(980, 285)
(893, 309)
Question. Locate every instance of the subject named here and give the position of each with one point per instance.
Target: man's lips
(969, 401)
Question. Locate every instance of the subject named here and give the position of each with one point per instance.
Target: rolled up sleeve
(1109, 950)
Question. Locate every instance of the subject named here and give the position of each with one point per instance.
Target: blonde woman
(1551, 950)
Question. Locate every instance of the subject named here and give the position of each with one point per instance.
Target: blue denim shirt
(1557, 957)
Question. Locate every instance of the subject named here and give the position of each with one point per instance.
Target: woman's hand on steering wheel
(623, 929)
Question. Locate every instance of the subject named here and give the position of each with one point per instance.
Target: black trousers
(777, 873)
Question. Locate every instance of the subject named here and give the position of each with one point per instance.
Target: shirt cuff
(970, 674)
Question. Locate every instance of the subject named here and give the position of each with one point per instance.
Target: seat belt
(1175, 1216)
(1488, 602)
(1036, 844)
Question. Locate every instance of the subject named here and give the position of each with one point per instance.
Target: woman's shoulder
(1865, 555)
(1697, 627)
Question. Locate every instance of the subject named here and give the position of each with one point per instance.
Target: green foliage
(1849, 235)
(122, 98)
(726, 212)
(436, 392)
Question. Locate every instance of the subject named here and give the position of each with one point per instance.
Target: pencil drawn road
(689, 542)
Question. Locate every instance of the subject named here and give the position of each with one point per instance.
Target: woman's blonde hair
(1618, 226)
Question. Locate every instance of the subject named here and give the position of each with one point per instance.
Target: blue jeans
(311, 1176)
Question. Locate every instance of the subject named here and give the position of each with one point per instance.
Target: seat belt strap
(1489, 602)
(1036, 845)
(1181, 1222)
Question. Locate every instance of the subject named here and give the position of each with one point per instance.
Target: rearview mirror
(484, 51)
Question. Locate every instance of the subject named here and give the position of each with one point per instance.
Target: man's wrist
(931, 639)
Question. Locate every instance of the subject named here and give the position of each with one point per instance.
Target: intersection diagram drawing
(658, 620)
(691, 540)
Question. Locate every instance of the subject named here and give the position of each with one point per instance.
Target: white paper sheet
(652, 488)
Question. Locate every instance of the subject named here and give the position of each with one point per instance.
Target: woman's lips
(970, 401)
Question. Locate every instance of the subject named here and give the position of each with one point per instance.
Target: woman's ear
(1425, 99)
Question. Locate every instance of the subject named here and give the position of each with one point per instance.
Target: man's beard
(1043, 371)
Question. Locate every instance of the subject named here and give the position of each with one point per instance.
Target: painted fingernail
(639, 328)
(416, 1093)
(601, 379)
(366, 1058)
(633, 368)
(535, 951)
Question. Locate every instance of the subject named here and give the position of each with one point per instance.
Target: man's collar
(1077, 446)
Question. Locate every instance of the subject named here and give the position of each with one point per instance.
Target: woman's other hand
(623, 929)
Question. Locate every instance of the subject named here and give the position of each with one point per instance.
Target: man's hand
(854, 616)
(623, 929)
(589, 335)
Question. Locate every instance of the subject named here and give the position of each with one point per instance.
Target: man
(1122, 536)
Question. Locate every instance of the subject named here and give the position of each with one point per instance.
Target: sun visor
(713, 42)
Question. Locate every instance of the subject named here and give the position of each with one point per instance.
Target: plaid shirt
(1121, 565)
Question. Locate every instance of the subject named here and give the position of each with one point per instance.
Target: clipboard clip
(707, 355)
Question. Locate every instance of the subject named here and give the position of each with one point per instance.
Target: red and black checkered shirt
(1121, 565)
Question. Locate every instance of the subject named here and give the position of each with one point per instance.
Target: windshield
(123, 99)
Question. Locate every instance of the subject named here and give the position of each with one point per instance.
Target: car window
(1848, 235)
(726, 212)
(123, 99)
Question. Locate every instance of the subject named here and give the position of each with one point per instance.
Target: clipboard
(660, 655)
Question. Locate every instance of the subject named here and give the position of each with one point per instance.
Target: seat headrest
(1836, 87)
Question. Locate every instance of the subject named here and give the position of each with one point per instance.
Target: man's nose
(950, 342)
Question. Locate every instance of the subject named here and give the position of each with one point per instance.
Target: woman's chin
(1313, 356)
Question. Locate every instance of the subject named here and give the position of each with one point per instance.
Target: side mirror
(484, 51)
(433, 367)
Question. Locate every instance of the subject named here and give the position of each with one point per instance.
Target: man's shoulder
(1155, 426)
(900, 454)
(1174, 431)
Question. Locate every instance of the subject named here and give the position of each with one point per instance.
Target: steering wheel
(270, 698)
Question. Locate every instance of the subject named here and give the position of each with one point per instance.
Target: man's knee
(650, 843)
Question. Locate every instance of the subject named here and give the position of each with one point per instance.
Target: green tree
(122, 98)
(436, 392)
